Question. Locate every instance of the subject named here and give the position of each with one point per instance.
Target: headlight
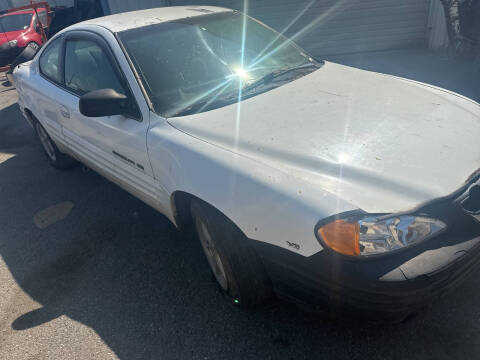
(13, 42)
(371, 235)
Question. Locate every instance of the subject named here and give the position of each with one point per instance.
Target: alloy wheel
(212, 255)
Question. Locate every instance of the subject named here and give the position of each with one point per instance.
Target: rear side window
(87, 68)
(50, 61)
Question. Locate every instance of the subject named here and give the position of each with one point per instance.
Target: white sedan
(332, 186)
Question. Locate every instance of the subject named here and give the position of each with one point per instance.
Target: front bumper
(387, 288)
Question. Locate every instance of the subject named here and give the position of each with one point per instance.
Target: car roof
(134, 19)
(27, 11)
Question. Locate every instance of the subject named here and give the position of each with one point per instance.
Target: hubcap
(212, 255)
(46, 142)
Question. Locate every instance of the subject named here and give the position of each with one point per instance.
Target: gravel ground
(89, 272)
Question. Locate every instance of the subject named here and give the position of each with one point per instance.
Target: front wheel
(236, 267)
(56, 158)
(34, 46)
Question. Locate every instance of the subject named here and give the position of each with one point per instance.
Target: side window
(42, 16)
(87, 68)
(50, 61)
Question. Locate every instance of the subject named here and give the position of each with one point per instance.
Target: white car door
(115, 145)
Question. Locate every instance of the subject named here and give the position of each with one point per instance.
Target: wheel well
(181, 201)
(30, 116)
(29, 113)
(33, 42)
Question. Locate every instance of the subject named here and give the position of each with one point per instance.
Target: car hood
(381, 143)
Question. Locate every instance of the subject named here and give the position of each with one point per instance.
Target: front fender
(267, 204)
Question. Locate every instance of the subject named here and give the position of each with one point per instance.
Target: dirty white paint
(382, 143)
(125, 21)
(52, 214)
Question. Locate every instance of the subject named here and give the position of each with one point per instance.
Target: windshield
(200, 60)
(15, 22)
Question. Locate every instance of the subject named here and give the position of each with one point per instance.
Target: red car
(18, 30)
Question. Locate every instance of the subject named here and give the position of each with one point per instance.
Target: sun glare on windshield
(217, 58)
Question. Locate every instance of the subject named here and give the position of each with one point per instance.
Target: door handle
(65, 114)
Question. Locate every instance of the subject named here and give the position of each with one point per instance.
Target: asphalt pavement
(89, 272)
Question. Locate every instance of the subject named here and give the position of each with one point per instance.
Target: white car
(314, 181)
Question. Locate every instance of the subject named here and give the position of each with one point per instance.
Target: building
(323, 27)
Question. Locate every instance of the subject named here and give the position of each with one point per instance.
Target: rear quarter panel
(39, 96)
(21, 77)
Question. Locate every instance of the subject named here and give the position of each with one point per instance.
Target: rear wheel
(56, 158)
(236, 267)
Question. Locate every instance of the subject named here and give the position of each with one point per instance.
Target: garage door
(330, 27)
(117, 6)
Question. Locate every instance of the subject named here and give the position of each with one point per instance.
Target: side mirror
(103, 102)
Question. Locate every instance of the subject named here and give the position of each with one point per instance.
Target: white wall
(437, 34)
(332, 27)
(117, 6)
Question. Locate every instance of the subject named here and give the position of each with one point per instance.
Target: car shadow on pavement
(120, 268)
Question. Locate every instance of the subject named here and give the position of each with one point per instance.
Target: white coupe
(338, 188)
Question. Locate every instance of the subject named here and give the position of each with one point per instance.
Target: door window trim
(135, 73)
(103, 44)
(61, 59)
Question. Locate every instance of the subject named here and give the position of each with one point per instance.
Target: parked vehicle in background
(319, 182)
(19, 29)
(81, 10)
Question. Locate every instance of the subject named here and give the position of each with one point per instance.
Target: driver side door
(114, 145)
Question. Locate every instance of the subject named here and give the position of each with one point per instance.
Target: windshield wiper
(268, 78)
(206, 104)
(246, 91)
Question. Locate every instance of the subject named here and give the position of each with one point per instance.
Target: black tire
(247, 283)
(56, 158)
(34, 46)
